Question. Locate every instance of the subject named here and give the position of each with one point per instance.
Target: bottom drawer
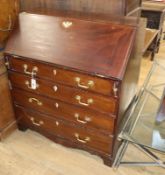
(96, 141)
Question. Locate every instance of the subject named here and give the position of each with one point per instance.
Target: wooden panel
(8, 14)
(6, 110)
(92, 47)
(68, 112)
(68, 94)
(89, 101)
(62, 76)
(94, 6)
(150, 37)
(8, 130)
(7, 119)
(2, 66)
(130, 81)
(57, 127)
(25, 97)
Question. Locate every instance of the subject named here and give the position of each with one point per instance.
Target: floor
(29, 153)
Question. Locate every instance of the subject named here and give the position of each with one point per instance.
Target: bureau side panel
(130, 80)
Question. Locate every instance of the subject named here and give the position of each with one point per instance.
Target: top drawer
(61, 75)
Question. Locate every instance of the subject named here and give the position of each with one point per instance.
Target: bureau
(72, 80)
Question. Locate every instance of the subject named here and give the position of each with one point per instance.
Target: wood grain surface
(8, 14)
(92, 47)
(7, 118)
(66, 111)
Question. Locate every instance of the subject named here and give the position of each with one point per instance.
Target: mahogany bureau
(71, 79)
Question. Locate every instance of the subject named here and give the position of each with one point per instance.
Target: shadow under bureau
(72, 80)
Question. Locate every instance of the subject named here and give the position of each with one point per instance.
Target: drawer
(79, 116)
(59, 128)
(66, 93)
(72, 78)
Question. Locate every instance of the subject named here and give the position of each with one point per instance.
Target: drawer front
(86, 82)
(80, 116)
(59, 128)
(66, 93)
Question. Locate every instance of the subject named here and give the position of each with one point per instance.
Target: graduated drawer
(61, 75)
(80, 116)
(66, 93)
(59, 128)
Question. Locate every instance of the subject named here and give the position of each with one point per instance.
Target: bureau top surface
(91, 47)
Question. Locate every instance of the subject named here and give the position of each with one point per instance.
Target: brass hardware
(36, 123)
(67, 24)
(10, 85)
(115, 89)
(55, 88)
(27, 83)
(85, 121)
(89, 101)
(99, 75)
(57, 105)
(34, 70)
(57, 123)
(89, 84)
(55, 72)
(15, 56)
(39, 103)
(87, 139)
(7, 65)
